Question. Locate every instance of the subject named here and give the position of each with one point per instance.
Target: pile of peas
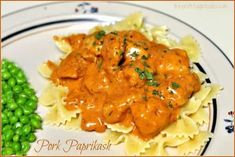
(19, 102)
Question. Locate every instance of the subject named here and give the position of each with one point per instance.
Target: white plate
(27, 40)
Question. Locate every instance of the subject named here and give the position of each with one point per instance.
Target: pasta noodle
(215, 88)
(189, 44)
(114, 137)
(191, 107)
(183, 127)
(44, 70)
(63, 44)
(132, 22)
(58, 114)
(201, 116)
(134, 145)
(203, 93)
(119, 128)
(155, 150)
(74, 123)
(52, 97)
(201, 75)
(194, 144)
(52, 94)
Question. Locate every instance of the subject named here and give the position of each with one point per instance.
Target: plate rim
(157, 11)
(130, 4)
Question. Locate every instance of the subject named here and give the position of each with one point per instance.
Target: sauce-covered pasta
(122, 77)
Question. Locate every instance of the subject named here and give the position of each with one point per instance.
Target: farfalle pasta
(195, 144)
(132, 83)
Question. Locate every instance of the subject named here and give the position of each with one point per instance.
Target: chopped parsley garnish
(138, 70)
(146, 48)
(141, 73)
(148, 75)
(114, 33)
(134, 54)
(145, 98)
(131, 64)
(120, 52)
(152, 83)
(145, 64)
(175, 85)
(155, 92)
(100, 34)
(145, 74)
(145, 57)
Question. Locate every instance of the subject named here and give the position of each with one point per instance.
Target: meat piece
(176, 90)
(150, 116)
(171, 61)
(95, 80)
(72, 66)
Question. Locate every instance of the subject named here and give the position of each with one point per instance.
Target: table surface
(217, 22)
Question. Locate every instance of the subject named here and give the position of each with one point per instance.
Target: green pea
(3, 137)
(23, 138)
(9, 135)
(4, 115)
(27, 110)
(17, 89)
(4, 100)
(25, 146)
(3, 144)
(22, 95)
(36, 123)
(11, 82)
(12, 105)
(5, 86)
(34, 98)
(36, 116)
(18, 124)
(9, 114)
(4, 63)
(21, 80)
(6, 75)
(16, 138)
(13, 119)
(8, 151)
(6, 127)
(19, 153)
(32, 137)
(9, 94)
(24, 119)
(32, 104)
(5, 121)
(21, 100)
(7, 144)
(11, 66)
(18, 112)
(14, 71)
(20, 74)
(16, 146)
(18, 131)
(5, 111)
(29, 91)
(26, 129)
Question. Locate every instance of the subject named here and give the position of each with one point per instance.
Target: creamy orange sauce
(122, 77)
